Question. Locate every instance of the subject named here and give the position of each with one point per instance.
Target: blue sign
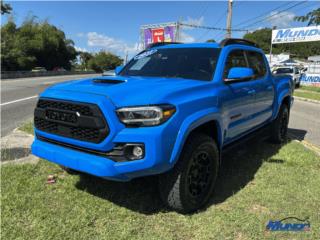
(310, 79)
(302, 34)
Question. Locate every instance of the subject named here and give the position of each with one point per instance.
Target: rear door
(263, 86)
(239, 100)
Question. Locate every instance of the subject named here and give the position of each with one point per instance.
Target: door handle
(251, 92)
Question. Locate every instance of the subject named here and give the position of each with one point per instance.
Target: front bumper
(158, 149)
(158, 141)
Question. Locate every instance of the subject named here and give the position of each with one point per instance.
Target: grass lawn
(310, 88)
(257, 183)
(308, 94)
(27, 127)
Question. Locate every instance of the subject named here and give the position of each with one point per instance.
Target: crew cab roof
(223, 43)
(189, 45)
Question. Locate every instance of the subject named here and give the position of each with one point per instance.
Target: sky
(114, 26)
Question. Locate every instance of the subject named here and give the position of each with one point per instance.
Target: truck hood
(130, 91)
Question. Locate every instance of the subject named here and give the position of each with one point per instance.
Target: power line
(211, 28)
(205, 9)
(251, 19)
(261, 15)
(216, 23)
(221, 32)
(201, 10)
(245, 28)
(275, 14)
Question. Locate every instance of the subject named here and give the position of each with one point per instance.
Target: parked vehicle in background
(109, 73)
(170, 112)
(293, 71)
(39, 69)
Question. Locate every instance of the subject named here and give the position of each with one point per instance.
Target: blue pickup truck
(170, 111)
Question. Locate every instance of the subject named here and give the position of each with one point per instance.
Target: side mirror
(239, 74)
(118, 70)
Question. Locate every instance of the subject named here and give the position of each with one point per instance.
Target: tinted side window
(256, 62)
(236, 58)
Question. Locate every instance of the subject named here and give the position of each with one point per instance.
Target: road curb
(311, 146)
(29, 74)
(308, 145)
(306, 99)
(15, 148)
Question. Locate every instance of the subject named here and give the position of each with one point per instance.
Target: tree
(299, 50)
(211, 40)
(35, 43)
(5, 8)
(313, 17)
(104, 61)
(84, 59)
(262, 37)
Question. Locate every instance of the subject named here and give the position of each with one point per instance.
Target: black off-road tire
(188, 186)
(279, 127)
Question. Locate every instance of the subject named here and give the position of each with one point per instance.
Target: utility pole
(229, 18)
(270, 57)
(178, 29)
(126, 58)
(177, 37)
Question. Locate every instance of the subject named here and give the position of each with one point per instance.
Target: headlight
(145, 116)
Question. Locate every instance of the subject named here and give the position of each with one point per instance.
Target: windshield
(284, 70)
(186, 63)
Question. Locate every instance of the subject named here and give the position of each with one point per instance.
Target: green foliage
(307, 94)
(35, 43)
(299, 50)
(5, 8)
(104, 61)
(84, 59)
(261, 37)
(211, 40)
(313, 17)
(310, 89)
(27, 127)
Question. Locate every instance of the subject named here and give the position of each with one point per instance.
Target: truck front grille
(81, 121)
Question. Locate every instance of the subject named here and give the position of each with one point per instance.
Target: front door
(238, 100)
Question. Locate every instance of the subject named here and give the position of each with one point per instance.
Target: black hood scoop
(112, 81)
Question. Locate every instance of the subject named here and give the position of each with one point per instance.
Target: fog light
(134, 151)
(137, 151)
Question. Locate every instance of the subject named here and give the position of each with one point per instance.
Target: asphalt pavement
(19, 96)
(304, 121)
(18, 99)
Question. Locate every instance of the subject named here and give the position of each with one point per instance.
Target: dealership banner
(301, 34)
(310, 79)
(159, 34)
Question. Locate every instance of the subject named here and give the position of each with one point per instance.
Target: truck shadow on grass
(240, 164)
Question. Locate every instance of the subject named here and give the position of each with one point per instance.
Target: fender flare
(280, 99)
(189, 124)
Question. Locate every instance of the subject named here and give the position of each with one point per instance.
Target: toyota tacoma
(170, 111)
